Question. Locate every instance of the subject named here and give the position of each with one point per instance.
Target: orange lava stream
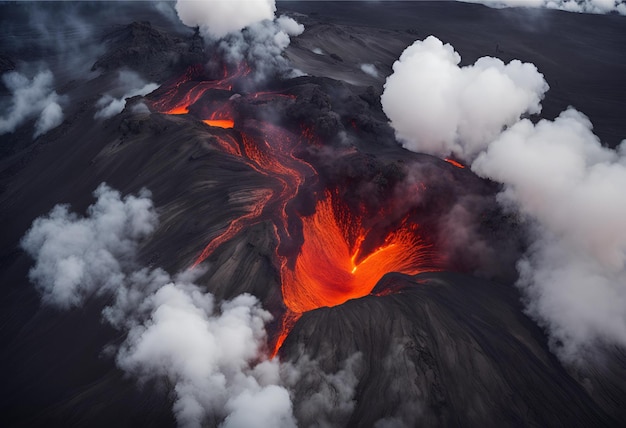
(234, 228)
(288, 320)
(220, 123)
(330, 270)
(187, 91)
(455, 163)
(271, 155)
(178, 110)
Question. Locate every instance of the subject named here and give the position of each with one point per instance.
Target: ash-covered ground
(455, 345)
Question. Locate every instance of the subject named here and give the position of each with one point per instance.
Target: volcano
(383, 279)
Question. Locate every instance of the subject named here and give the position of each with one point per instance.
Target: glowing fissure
(454, 163)
(188, 90)
(220, 123)
(332, 267)
(342, 255)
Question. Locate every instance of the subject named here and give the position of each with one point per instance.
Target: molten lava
(454, 163)
(220, 123)
(332, 267)
(343, 254)
(191, 88)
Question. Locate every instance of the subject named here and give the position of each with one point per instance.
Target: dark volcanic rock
(444, 349)
(149, 50)
(6, 64)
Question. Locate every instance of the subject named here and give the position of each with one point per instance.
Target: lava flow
(341, 257)
(190, 89)
(454, 163)
(332, 267)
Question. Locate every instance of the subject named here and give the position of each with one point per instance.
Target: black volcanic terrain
(447, 346)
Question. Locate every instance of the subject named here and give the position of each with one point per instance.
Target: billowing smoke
(78, 257)
(217, 18)
(558, 180)
(30, 99)
(324, 400)
(559, 176)
(261, 46)
(128, 84)
(212, 365)
(581, 6)
(245, 31)
(217, 368)
(437, 107)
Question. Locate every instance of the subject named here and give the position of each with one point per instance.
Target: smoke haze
(129, 84)
(581, 6)
(217, 18)
(30, 99)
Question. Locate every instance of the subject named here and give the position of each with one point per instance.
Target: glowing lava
(220, 123)
(181, 94)
(454, 163)
(332, 267)
(270, 152)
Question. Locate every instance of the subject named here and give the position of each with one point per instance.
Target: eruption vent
(333, 265)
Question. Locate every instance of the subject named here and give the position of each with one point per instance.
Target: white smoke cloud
(261, 46)
(559, 176)
(217, 18)
(212, 363)
(77, 257)
(211, 353)
(51, 117)
(129, 84)
(31, 98)
(437, 107)
(581, 6)
(245, 30)
(370, 69)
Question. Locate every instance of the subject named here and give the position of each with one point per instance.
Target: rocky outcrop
(149, 50)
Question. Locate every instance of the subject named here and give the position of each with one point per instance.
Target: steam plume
(437, 107)
(211, 364)
(128, 84)
(558, 175)
(31, 98)
(245, 31)
(581, 6)
(217, 18)
(370, 69)
(77, 257)
(261, 45)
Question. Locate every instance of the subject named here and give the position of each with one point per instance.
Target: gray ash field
(271, 248)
